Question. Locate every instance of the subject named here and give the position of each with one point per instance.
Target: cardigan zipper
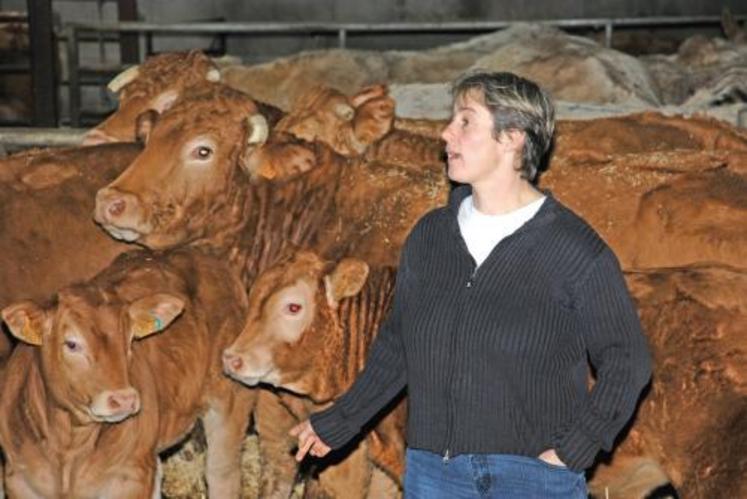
(450, 381)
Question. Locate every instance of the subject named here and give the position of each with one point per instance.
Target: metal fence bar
(40, 137)
(73, 74)
(342, 37)
(260, 28)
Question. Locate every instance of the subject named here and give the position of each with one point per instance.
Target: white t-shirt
(482, 232)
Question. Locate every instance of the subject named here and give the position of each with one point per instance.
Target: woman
(502, 299)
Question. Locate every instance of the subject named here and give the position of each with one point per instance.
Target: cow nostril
(122, 402)
(114, 402)
(236, 363)
(232, 362)
(116, 207)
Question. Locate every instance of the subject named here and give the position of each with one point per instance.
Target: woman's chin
(457, 174)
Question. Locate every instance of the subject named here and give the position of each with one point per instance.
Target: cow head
(191, 177)
(85, 347)
(156, 84)
(292, 327)
(347, 124)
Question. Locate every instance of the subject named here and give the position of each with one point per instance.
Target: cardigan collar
(546, 214)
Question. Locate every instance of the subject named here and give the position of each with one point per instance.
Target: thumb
(296, 430)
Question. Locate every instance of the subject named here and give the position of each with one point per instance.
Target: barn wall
(258, 49)
(380, 11)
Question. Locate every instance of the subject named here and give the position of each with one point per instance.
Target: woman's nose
(446, 133)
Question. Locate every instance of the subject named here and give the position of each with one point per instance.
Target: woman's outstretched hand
(308, 441)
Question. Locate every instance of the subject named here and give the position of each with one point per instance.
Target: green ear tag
(159, 324)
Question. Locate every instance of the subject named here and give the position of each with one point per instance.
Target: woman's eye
(294, 308)
(72, 345)
(202, 152)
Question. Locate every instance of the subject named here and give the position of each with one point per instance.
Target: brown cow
(47, 237)
(692, 428)
(362, 125)
(308, 330)
(349, 125)
(85, 409)
(394, 176)
(157, 84)
(662, 191)
(202, 180)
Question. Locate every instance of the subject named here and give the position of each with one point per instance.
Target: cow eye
(202, 152)
(294, 308)
(72, 345)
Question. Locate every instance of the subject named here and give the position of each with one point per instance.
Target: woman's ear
(514, 138)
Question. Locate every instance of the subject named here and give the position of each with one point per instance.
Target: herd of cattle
(247, 258)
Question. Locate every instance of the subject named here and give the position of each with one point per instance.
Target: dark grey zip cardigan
(495, 359)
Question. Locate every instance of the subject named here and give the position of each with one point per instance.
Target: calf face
(292, 324)
(156, 84)
(349, 125)
(84, 343)
(188, 180)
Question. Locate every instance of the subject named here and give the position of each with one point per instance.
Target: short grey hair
(516, 104)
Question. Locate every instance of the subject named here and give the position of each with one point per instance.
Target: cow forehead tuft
(169, 70)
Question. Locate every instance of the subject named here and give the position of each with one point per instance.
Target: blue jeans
(498, 476)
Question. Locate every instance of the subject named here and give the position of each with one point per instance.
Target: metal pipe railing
(342, 30)
(14, 137)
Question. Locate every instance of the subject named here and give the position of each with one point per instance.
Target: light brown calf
(89, 401)
(309, 328)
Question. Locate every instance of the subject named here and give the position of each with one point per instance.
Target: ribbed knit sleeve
(618, 351)
(382, 378)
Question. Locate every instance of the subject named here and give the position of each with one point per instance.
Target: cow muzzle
(112, 406)
(240, 368)
(120, 214)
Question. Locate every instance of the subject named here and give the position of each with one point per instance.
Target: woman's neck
(498, 198)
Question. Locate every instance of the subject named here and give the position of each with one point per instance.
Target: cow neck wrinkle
(19, 402)
(230, 222)
(358, 319)
(51, 425)
(282, 214)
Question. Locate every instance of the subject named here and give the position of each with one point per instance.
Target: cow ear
(27, 321)
(144, 125)
(347, 279)
(164, 101)
(153, 313)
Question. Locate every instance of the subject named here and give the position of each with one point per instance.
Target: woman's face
(472, 151)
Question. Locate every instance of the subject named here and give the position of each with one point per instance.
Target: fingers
(308, 441)
(320, 449)
(303, 448)
(296, 430)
